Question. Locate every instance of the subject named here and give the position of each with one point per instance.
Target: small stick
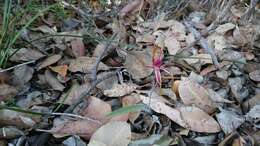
(75, 116)
(16, 66)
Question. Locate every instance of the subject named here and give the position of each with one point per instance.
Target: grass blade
(127, 109)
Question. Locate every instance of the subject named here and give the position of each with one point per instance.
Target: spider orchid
(158, 66)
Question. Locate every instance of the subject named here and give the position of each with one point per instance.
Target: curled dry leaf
(131, 8)
(85, 64)
(255, 75)
(120, 90)
(25, 54)
(49, 61)
(10, 132)
(193, 93)
(222, 29)
(61, 70)
(189, 117)
(121, 134)
(52, 81)
(78, 47)
(7, 91)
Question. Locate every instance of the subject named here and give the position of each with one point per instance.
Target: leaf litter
(156, 73)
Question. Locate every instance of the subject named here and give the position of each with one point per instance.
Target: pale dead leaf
(121, 134)
(193, 93)
(61, 69)
(229, 120)
(179, 30)
(218, 42)
(120, 90)
(131, 7)
(10, 132)
(25, 54)
(49, 61)
(52, 81)
(202, 58)
(85, 64)
(172, 44)
(217, 98)
(189, 117)
(222, 29)
(78, 47)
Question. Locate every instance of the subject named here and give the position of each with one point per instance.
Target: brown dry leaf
(255, 75)
(172, 44)
(120, 90)
(49, 61)
(136, 64)
(78, 47)
(175, 87)
(131, 8)
(85, 64)
(25, 54)
(52, 81)
(75, 93)
(83, 128)
(18, 119)
(131, 99)
(121, 134)
(189, 117)
(97, 109)
(193, 93)
(61, 69)
(7, 92)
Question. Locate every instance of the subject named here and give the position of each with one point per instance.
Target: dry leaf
(222, 29)
(25, 54)
(49, 61)
(10, 132)
(172, 44)
(131, 8)
(18, 119)
(175, 87)
(229, 120)
(52, 81)
(121, 134)
(7, 92)
(189, 117)
(193, 93)
(136, 64)
(61, 69)
(202, 58)
(217, 98)
(83, 128)
(120, 90)
(131, 100)
(75, 93)
(22, 75)
(85, 64)
(78, 47)
(255, 75)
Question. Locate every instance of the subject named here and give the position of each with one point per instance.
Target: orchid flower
(158, 66)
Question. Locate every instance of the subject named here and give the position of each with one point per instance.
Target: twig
(75, 116)
(16, 66)
(95, 67)
(87, 92)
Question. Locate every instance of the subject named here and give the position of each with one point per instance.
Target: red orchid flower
(158, 66)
